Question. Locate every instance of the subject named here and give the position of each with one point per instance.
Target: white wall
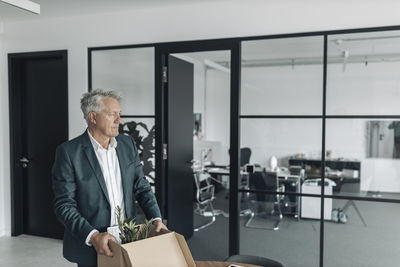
(218, 111)
(170, 23)
(199, 90)
(5, 210)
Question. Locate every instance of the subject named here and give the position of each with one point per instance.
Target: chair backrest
(262, 180)
(245, 154)
(271, 179)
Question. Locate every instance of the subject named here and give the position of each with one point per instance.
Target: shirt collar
(97, 146)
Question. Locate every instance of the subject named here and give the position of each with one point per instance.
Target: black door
(38, 124)
(180, 146)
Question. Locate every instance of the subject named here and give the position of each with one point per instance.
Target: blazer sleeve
(142, 189)
(65, 205)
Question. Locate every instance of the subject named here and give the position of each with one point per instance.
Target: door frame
(161, 55)
(14, 96)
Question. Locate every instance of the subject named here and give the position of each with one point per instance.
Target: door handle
(24, 162)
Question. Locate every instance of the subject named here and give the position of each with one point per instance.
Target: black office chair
(245, 154)
(261, 261)
(266, 181)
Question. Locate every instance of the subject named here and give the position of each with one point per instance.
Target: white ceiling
(361, 45)
(64, 8)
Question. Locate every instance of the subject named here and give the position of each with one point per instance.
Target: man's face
(108, 120)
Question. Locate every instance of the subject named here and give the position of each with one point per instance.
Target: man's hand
(159, 225)
(100, 243)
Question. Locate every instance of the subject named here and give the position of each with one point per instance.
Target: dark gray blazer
(81, 201)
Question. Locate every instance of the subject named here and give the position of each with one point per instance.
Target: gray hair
(93, 101)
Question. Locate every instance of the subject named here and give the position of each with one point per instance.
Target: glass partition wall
(319, 142)
(362, 134)
(281, 121)
(290, 115)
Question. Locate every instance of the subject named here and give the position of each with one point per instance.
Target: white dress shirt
(109, 165)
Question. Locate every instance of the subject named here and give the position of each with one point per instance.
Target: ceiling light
(24, 4)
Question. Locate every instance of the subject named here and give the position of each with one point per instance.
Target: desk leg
(352, 203)
(298, 204)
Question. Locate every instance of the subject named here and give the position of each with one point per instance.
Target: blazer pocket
(85, 175)
(131, 164)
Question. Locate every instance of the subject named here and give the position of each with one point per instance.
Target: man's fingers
(108, 252)
(101, 244)
(114, 239)
(107, 249)
(159, 225)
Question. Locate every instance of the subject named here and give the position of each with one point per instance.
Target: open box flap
(185, 250)
(165, 250)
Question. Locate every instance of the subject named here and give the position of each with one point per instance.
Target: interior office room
(288, 111)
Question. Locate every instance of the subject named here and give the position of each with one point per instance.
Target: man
(95, 173)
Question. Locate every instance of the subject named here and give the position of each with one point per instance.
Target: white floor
(29, 251)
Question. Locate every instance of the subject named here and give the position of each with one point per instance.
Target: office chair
(245, 154)
(204, 198)
(266, 181)
(248, 259)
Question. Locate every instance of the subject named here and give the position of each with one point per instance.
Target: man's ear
(92, 117)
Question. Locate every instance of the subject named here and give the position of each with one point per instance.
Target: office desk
(282, 175)
(286, 176)
(221, 171)
(221, 264)
(313, 170)
(217, 172)
(337, 164)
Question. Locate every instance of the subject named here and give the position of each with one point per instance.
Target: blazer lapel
(94, 163)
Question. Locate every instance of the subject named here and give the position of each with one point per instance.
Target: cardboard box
(167, 249)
